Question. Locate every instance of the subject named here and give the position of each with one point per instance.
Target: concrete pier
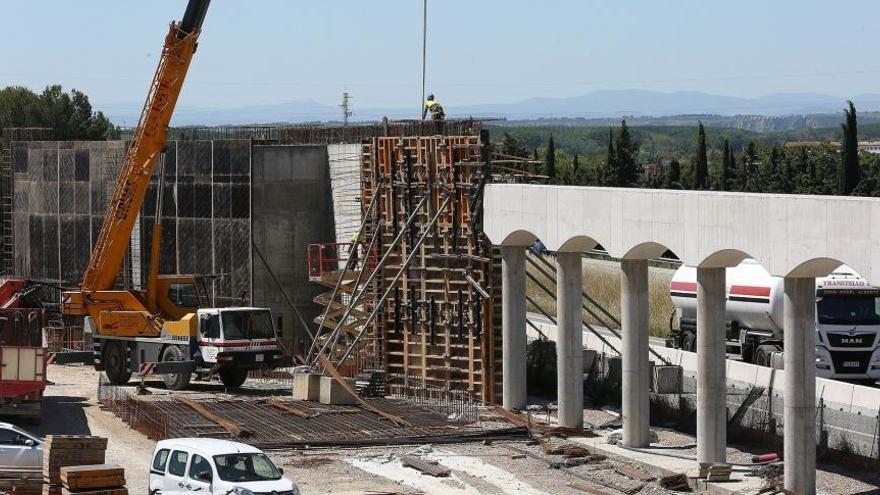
(513, 326)
(800, 385)
(711, 361)
(635, 367)
(569, 345)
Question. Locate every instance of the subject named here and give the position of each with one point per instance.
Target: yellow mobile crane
(169, 328)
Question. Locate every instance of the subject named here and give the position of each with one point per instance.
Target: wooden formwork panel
(442, 322)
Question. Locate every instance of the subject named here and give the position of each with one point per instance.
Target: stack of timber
(102, 479)
(69, 450)
(442, 326)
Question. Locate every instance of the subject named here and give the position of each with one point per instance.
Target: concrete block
(306, 386)
(614, 369)
(589, 359)
(666, 379)
(333, 393)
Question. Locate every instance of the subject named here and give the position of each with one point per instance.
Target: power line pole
(424, 51)
(346, 108)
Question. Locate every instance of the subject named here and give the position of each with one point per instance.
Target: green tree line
(68, 114)
(718, 159)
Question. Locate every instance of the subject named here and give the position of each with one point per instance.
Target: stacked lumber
(99, 479)
(69, 450)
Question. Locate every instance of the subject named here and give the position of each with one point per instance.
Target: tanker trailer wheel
(763, 353)
(689, 342)
(175, 381)
(116, 362)
(233, 377)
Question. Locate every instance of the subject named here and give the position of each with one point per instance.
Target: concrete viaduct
(795, 237)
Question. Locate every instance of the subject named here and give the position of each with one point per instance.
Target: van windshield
(848, 309)
(247, 325)
(246, 467)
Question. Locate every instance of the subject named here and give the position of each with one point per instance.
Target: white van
(218, 467)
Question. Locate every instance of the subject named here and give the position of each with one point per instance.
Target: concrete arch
(816, 267)
(578, 244)
(646, 250)
(519, 238)
(725, 258)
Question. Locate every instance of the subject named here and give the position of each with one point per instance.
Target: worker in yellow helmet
(437, 113)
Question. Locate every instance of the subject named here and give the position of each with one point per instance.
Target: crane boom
(147, 142)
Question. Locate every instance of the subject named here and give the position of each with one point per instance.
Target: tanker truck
(847, 319)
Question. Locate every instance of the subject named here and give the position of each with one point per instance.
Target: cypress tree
(575, 165)
(848, 172)
(701, 167)
(726, 167)
(550, 162)
(751, 180)
(608, 173)
(673, 175)
(627, 171)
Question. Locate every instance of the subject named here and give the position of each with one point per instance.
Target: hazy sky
(270, 51)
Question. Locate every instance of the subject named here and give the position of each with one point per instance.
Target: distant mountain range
(595, 105)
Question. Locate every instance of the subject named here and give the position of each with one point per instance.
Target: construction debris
(430, 468)
(635, 473)
(715, 472)
(676, 482)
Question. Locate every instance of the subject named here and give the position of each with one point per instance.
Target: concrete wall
(292, 207)
(345, 178)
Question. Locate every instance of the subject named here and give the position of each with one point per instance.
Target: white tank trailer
(847, 319)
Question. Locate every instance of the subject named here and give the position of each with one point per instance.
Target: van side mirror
(206, 476)
(29, 442)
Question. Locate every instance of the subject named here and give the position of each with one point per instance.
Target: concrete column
(711, 366)
(800, 385)
(569, 340)
(636, 407)
(513, 326)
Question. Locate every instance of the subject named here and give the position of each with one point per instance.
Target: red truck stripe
(748, 290)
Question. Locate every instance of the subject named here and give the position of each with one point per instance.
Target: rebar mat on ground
(284, 422)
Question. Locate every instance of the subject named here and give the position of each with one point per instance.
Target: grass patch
(602, 283)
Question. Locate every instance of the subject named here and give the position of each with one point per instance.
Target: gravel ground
(500, 468)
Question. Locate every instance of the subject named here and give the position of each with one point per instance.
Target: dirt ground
(508, 467)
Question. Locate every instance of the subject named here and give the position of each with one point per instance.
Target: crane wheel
(115, 361)
(175, 381)
(233, 377)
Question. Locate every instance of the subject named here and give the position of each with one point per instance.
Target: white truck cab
(217, 467)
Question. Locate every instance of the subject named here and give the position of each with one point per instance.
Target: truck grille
(850, 362)
(847, 340)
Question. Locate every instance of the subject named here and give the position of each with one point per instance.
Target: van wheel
(115, 358)
(175, 381)
(233, 377)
